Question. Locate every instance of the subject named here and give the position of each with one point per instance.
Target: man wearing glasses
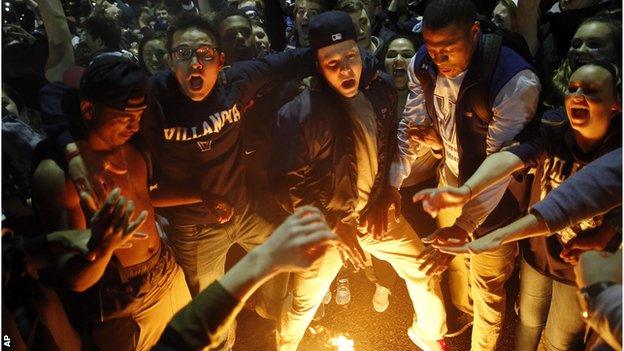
(193, 128)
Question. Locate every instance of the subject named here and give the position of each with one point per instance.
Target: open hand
(348, 246)
(425, 135)
(593, 239)
(375, 219)
(433, 261)
(299, 241)
(437, 199)
(87, 175)
(111, 225)
(218, 206)
(486, 243)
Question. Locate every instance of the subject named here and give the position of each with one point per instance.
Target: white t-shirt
(444, 102)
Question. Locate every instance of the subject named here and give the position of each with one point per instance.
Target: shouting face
(400, 52)
(196, 61)
(341, 65)
(591, 101)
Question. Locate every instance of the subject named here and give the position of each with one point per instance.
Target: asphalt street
(358, 321)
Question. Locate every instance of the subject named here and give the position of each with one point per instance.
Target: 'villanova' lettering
(214, 124)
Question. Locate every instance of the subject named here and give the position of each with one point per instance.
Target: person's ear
(617, 105)
(474, 30)
(86, 109)
(221, 60)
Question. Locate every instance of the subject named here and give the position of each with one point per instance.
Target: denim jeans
(201, 251)
(400, 249)
(547, 303)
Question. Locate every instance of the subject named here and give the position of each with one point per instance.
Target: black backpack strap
(421, 71)
(480, 99)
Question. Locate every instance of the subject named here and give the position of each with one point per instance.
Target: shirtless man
(131, 286)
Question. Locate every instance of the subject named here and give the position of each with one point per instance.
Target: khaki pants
(400, 249)
(480, 279)
(142, 330)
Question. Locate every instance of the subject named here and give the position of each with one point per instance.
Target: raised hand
(112, 225)
(425, 135)
(486, 243)
(375, 219)
(299, 241)
(348, 246)
(86, 175)
(436, 199)
(218, 206)
(432, 261)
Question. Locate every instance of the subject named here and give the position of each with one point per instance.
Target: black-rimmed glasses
(204, 53)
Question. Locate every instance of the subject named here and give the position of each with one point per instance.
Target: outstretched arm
(61, 52)
(495, 168)
(294, 246)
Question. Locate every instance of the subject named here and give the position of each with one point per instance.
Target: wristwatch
(587, 295)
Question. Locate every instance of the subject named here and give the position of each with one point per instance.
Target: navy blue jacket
(313, 162)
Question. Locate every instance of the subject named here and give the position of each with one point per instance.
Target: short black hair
(190, 20)
(228, 12)
(443, 13)
(149, 36)
(416, 42)
(106, 29)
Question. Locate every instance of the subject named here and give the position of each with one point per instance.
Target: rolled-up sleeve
(414, 113)
(514, 107)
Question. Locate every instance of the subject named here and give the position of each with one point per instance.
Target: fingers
(110, 204)
(397, 211)
(343, 254)
(305, 210)
(317, 238)
(138, 222)
(88, 204)
(431, 238)
(310, 228)
(119, 213)
(139, 236)
(453, 250)
(360, 256)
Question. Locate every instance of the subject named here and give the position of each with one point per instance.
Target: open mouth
(579, 112)
(399, 72)
(348, 84)
(196, 83)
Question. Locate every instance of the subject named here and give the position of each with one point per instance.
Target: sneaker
(427, 345)
(381, 297)
(327, 298)
(458, 324)
(343, 294)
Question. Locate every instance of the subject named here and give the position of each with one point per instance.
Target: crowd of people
(433, 141)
